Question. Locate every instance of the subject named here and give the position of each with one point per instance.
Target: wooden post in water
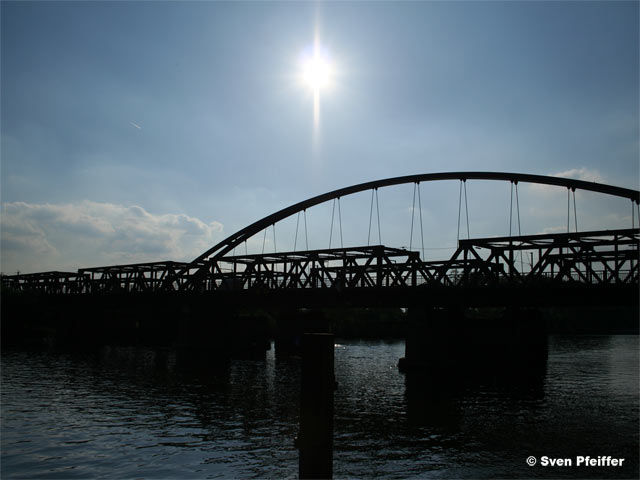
(315, 439)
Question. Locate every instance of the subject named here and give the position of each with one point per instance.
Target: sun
(316, 72)
(316, 69)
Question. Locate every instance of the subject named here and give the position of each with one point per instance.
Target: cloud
(39, 237)
(581, 174)
(553, 209)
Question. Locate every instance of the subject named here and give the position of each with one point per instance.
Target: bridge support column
(220, 332)
(291, 325)
(315, 440)
(472, 341)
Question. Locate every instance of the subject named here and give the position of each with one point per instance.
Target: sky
(149, 131)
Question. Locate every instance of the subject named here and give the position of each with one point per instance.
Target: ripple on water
(133, 413)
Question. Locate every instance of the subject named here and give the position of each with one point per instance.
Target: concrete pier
(291, 325)
(470, 340)
(315, 440)
(186, 322)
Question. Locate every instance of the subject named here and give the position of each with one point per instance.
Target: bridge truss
(602, 258)
(595, 258)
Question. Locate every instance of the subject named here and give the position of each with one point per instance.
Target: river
(126, 412)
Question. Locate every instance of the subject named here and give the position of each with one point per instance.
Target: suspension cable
(575, 215)
(515, 183)
(511, 208)
(275, 246)
(370, 218)
(459, 209)
(295, 241)
(518, 209)
(378, 210)
(333, 211)
(275, 249)
(519, 229)
(638, 208)
(306, 236)
(264, 239)
(413, 208)
(568, 206)
(421, 230)
(340, 220)
(466, 208)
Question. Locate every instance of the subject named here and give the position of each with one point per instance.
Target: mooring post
(315, 440)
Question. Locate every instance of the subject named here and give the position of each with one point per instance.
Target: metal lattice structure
(140, 277)
(50, 283)
(594, 258)
(607, 257)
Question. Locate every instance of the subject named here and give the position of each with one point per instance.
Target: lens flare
(316, 73)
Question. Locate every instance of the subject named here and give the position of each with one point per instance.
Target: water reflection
(136, 412)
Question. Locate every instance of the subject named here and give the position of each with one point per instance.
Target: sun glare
(316, 72)
(316, 69)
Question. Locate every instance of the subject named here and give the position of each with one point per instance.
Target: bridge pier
(189, 323)
(317, 384)
(292, 324)
(474, 341)
(208, 331)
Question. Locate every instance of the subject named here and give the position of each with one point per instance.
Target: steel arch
(229, 243)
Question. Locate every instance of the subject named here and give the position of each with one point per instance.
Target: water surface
(133, 412)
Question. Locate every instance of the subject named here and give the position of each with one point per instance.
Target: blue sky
(140, 131)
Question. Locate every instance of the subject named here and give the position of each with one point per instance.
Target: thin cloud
(554, 209)
(583, 173)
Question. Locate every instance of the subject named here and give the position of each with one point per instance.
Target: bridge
(174, 303)
(556, 268)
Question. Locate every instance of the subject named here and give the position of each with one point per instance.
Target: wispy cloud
(586, 174)
(559, 207)
(38, 237)
(582, 173)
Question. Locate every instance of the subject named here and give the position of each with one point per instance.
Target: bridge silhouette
(214, 304)
(558, 268)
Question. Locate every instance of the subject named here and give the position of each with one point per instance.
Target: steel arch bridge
(603, 260)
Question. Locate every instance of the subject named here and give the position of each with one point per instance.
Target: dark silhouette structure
(599, 266)
(201, 306)
(317, 383)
